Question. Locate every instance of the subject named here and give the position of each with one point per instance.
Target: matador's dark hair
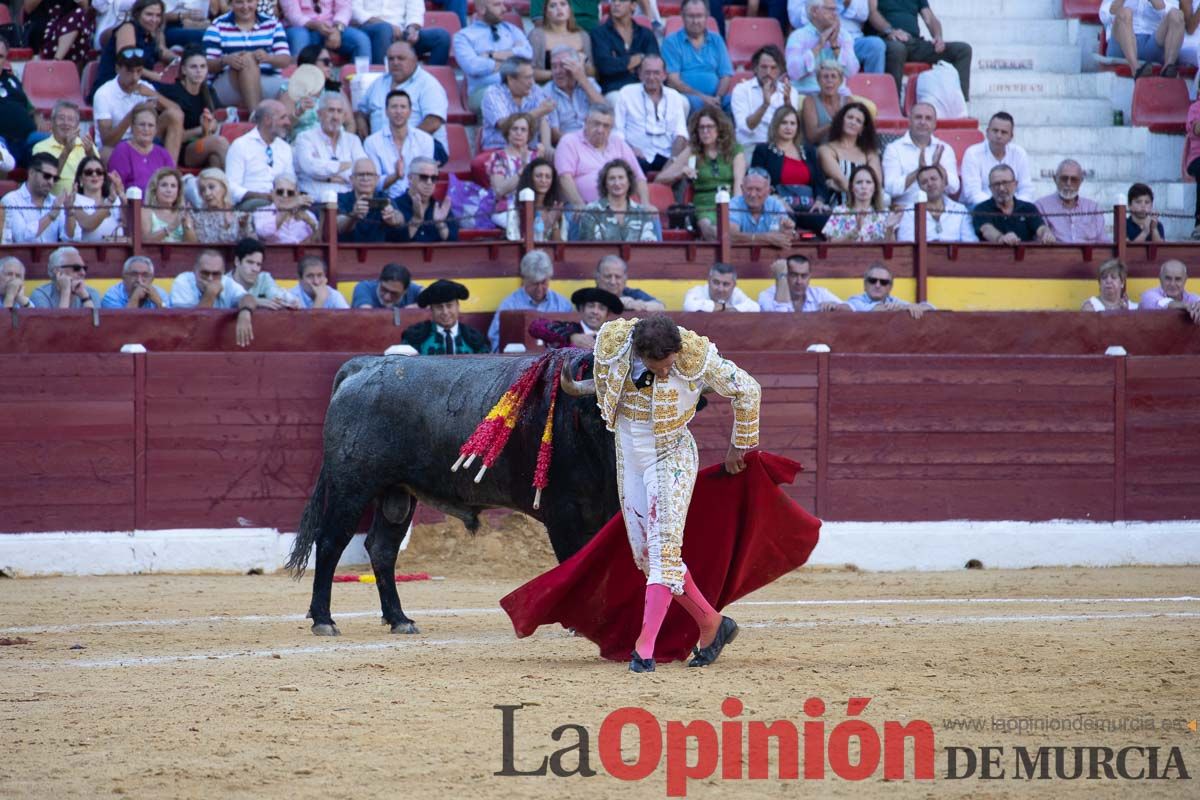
(656, 337)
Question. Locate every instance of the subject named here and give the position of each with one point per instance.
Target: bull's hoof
(326, 630)
(405, 627)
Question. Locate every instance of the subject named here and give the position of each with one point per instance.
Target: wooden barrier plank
(173, 437)
(980, 472)
(73, 388)
(1155, 502)
(89, 459)
(1161, 368)
(970, 448)
(50, 490)
(250, 411)
(51, 517)
(915, 500)
(972, 370)
(281, 513)
(19, 367)
(965, 417)
(922, 393)
(95, 413)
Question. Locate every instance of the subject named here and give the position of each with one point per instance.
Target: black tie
(447, 342)
(644, 380)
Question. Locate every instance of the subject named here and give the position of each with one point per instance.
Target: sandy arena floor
(212, 686)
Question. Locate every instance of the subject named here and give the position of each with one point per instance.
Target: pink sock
(658, 600)
(707, 618)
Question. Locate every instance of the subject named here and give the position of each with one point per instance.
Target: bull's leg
(388, 527)
(337, 529)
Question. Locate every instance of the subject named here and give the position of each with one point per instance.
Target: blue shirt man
(118, 297)
(772, 214)
(534, 295)
(367, 294)
(697, 61)
(475, 45)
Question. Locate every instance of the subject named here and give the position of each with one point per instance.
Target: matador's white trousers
(655, 487)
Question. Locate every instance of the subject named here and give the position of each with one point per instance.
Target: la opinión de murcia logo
(739, 749)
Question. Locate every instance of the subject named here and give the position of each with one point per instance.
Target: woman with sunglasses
(289, 218)
(143, 31)
(137, 158)
(541, 177)
(164, 216)
(61, 30)
(202, 147)
(216, 221)
(94, 208)
(863, 219)
(711, 160)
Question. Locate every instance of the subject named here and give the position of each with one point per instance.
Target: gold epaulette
(614, 340)
(694, 355)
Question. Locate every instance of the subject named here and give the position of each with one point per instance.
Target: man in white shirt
(393, 149)
(256, 158)
(997, 148)
(1144, 31)
(387, 21)
(30, 213)
(324, 156)
(720, 293)
(651, 116)
(430, 106)
(116, 101)
(915, 149)
(755, 100)
(792, 291)
(945, 220)
(206, 285)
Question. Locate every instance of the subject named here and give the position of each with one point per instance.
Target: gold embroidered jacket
(671, 404)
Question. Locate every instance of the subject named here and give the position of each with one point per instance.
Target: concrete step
(1006, 31)
(1129, 168)
(1028, 84)
(1045, 111)
(1094, 141)
(1026, 57)
(999, 9)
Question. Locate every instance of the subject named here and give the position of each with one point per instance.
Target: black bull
(392, 432)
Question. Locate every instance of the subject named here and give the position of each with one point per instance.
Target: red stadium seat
(515, 19)
(880, 90)
(911, 70)
(7, 186)
(960, 140)
(1160, 104)
(479, 171)
(458, 111)
(47, 82)
(446, 20)
(1082, 10)
(90, 70)
(459, 149)
(672, 24)
(232, 130)
(747, 34)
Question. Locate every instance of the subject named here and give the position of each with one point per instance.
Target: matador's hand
(735, 460)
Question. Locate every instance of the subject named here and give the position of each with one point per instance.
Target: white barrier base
(866, 545)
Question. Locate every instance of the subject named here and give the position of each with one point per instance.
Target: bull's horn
(573, 387)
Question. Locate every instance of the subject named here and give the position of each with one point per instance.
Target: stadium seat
(458, 111)
(515, 19)
(747, 34)
(459, 150)
(911, 70)
(479, 171)
(960, 140)
(232, 130)
(7, 186)
(347, 71)
(1082, 10)
(446, 20)
(880, 90)
(1160, 104)
(90, 70)
(672, 24)
(47, 82)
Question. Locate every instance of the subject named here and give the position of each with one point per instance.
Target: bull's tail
(310, 527)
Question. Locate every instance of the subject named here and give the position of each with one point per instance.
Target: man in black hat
(442, 334)
(595, 306)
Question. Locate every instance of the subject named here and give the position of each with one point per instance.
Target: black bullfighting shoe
(639, 664)
(703, 656)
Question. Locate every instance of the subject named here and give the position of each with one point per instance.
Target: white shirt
(22, 217)
(426, 94)
(393, 12)
(954, 226)
(381, 148)
(648, 126)
(1146, 18)
(747, 97)
(318, 159)
(902, 157)
(186, 294)
(251, 165)
(698, 299)
(814, 298)
(109, 13)
(852, 16)
(978, 162)
(110, 226)
(113, 103)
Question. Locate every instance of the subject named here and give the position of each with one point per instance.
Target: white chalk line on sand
(493, 640)
(452, 612)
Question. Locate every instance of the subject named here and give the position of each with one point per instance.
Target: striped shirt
(223, 38)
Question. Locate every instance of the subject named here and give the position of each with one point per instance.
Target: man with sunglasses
(878, 295)
(481, 47)
(117, 101)
(67, 287)
(424, 219)
(256, 158)
(1072, 217)
(31, 213)
(365, 214)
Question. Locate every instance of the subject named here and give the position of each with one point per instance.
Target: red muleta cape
(742, 532)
